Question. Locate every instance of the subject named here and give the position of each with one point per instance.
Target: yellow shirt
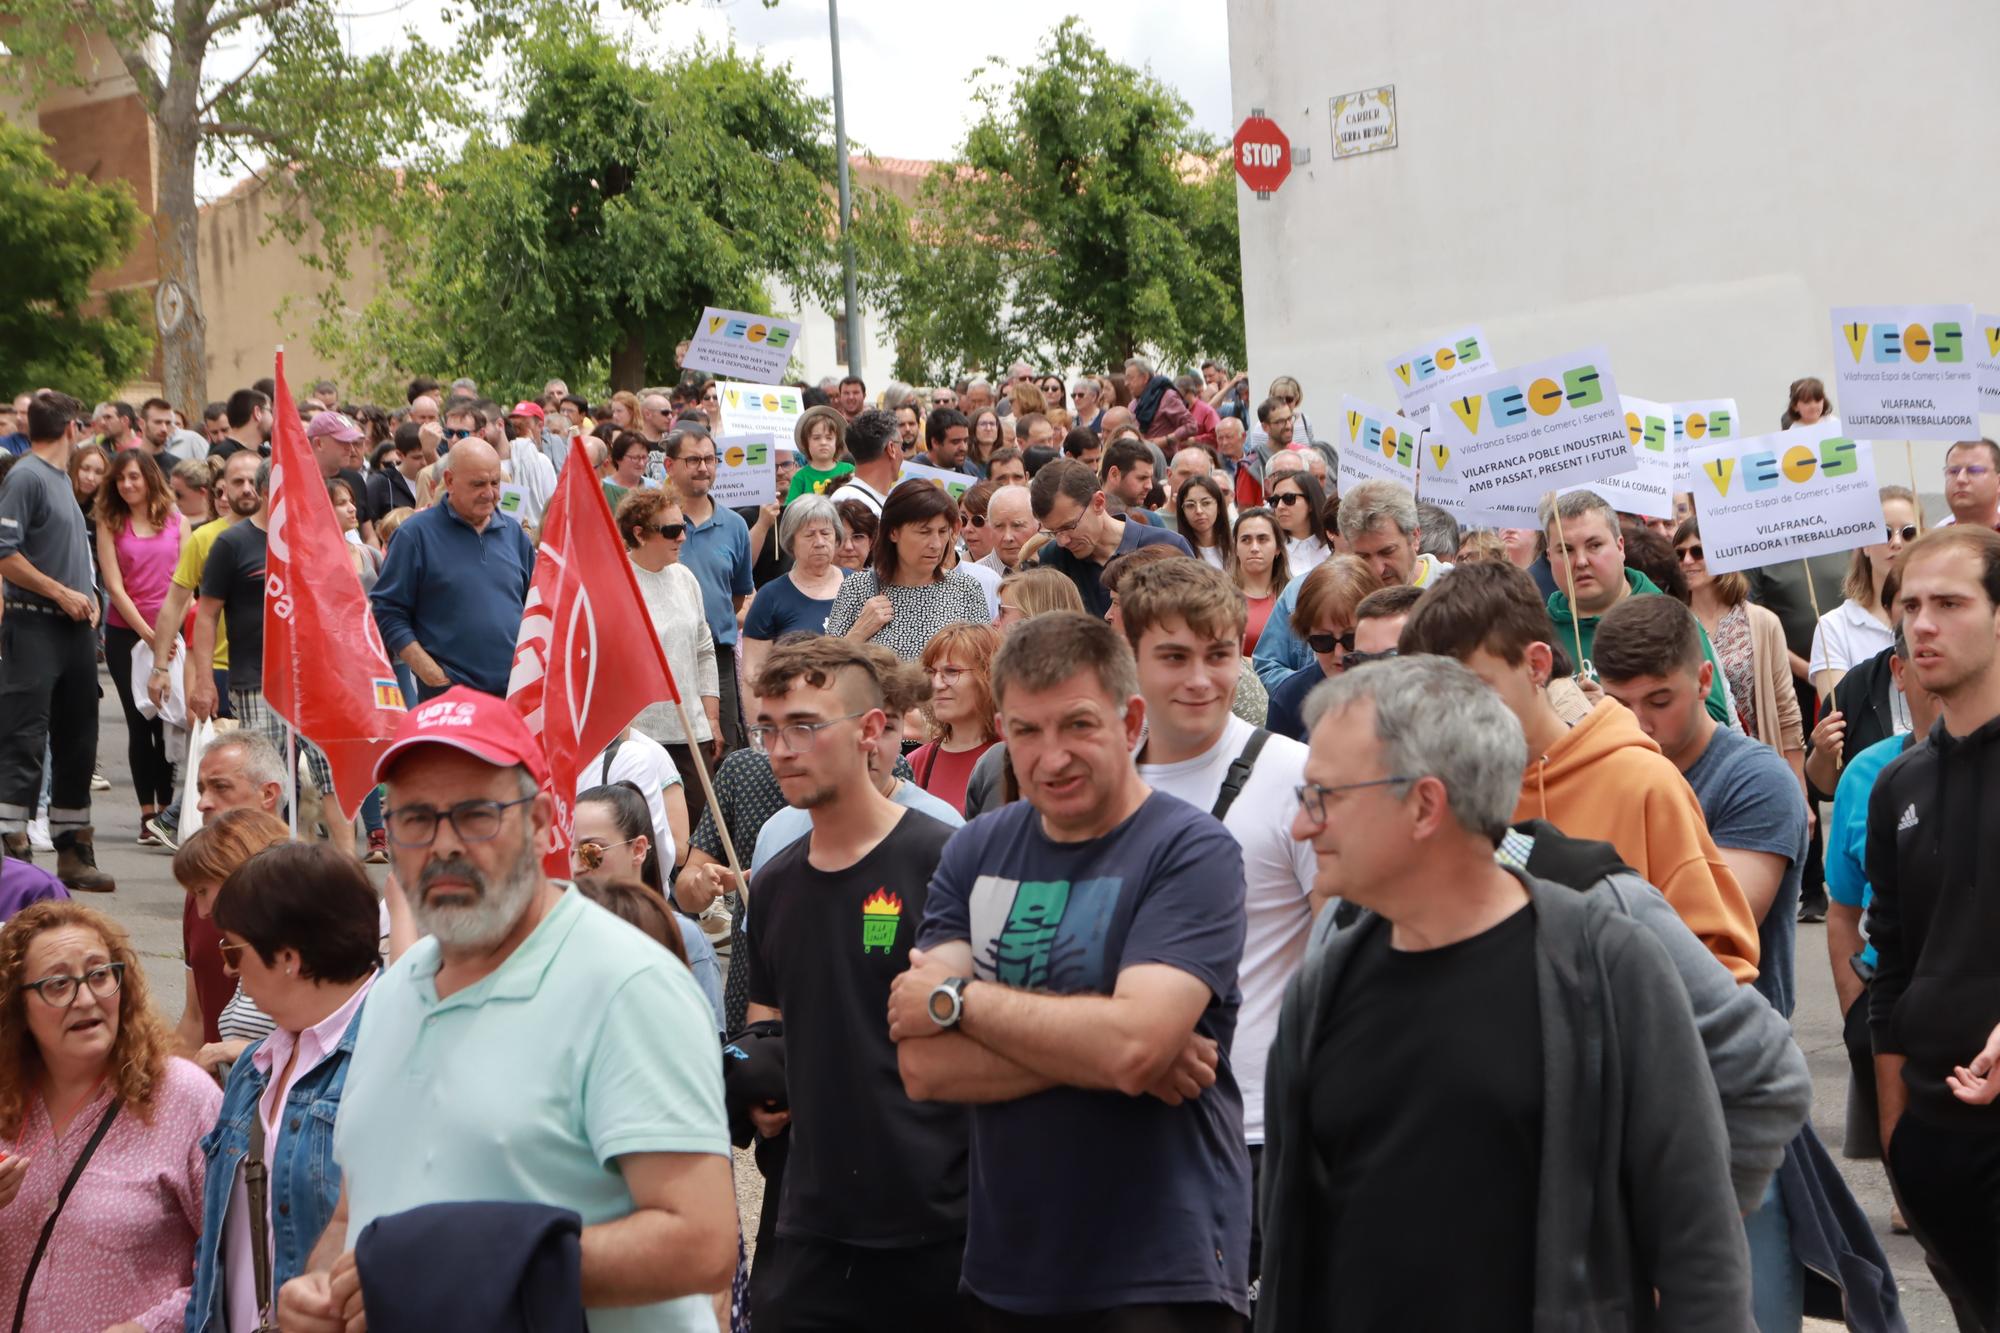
(187, 574)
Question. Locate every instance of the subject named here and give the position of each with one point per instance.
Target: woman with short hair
(906, 596)
(959, 662)
(799, 600)
(1324, 619)
(654, 531)
(91, 1091)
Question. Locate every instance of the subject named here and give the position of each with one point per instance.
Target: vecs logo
(1399, 447)
(1421, 368)
(1767, 469)
(743, 330)
(1718, 424)
(1510, 404)
(737, 455)
(1885, 343)
(1647, 431)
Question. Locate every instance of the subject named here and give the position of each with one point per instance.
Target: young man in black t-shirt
(871, 1221)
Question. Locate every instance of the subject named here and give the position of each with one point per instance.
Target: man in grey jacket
(1487, 1104)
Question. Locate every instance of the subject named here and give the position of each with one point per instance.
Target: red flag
(587, 660)
(325, 669)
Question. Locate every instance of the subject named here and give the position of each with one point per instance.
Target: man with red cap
(524, 465)
(532, 1048)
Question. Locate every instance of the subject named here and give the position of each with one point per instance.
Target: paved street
(148, 903)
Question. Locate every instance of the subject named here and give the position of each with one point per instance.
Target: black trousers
(732, 702)
(816, 1286)
(1812, 881)
(1948, 1181)
(48, 701)
(1124, 1319)
(1864, 1128)
(145, 738)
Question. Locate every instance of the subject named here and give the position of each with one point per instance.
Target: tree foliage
(1085, 220)
(624, 198)
(57, 233)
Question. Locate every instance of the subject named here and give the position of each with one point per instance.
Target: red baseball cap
(479, 724)
(524, 408)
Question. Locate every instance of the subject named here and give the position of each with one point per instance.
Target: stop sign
(1263, 154)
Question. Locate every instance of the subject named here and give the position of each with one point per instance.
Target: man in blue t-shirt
(1075, 983)
(1069, 503)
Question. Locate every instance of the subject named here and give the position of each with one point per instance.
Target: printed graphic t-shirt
(868, 1166)
(1086, 1200)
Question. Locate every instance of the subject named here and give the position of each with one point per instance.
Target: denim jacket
(304, 1182)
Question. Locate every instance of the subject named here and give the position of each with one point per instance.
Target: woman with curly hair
(88, 1079)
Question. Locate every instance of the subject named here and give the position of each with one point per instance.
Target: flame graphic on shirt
(881, 914)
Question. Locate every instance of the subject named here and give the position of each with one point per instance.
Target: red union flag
(325, 670)
(587, 660)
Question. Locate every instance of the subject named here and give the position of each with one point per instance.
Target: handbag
(62, 1197)
(257, 1185)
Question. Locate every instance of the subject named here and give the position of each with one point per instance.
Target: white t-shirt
(1847, 636)
(525, 467)
(856, 489)
(1212, 554)
(1277, 876)
(645, 763)
(984, 576)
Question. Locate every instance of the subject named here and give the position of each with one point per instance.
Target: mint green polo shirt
(589, 1042)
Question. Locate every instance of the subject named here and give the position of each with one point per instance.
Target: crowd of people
(1175, 890)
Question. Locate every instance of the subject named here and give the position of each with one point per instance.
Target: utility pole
(853, 315)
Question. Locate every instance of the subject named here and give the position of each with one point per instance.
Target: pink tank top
(147, 565)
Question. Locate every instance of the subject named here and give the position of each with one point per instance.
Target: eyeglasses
(673, 532)
(1312, 796)
(1970, 471)
(796, 737)
(1067, 528)
(697, 460)
(472, 821)
(949, 675)
(1326, 643)
(590, 852)
(60, 992)
(1694, 552)
(1908, 532)
(1288, 498)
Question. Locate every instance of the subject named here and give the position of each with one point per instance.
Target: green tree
(57, 232)
(1086, 220)
(627, 195)
(296, 94)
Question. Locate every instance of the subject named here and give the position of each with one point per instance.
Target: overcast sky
(906, 64)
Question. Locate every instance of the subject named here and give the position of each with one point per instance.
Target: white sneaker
(98, 782)
(38, 834)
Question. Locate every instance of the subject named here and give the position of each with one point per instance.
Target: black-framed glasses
(1288, 498)
(1908, 532)
(1354, 659)
(60, 991)
(673, 532)
(796, 737)
(1312, 795)
(1693, 552)
(697, 460)
(590, 852)
(472, 821)
(1326, 643)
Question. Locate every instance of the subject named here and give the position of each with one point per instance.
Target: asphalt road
(148, 903)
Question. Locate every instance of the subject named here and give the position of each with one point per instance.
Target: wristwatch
(947, 1001)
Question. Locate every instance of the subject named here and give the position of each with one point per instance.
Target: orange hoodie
(1606, 780)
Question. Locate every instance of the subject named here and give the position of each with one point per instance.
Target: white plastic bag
(199, 737)
(175, 713)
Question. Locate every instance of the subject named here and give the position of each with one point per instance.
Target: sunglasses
(457, 434)
(1694, 552)
(673, 532)
(590, 852)
(1326, 643)
(976, 520)
(1908, 532)
(1288, 498)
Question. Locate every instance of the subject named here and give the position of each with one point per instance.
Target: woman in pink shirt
(138, 544)
(85, 1077)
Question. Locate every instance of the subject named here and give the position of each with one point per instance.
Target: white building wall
(1692, 183)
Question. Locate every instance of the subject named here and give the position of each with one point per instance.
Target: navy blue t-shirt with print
(1085, 1200)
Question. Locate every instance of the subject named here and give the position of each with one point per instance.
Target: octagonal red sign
(1263, 154)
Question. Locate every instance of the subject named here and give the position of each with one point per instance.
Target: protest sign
(1427, 374)
(740, 345)
(1989, 363)
(955, 484)
(748, 408)
(1766, 499)
(1906, 371)
(746, 473)
(1380, 446)
(1438, 481)
(1648, 488)
(1701, 421)
(1518, 434)
(513, 500)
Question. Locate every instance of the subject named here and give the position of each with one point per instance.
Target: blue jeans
(1777, 1282)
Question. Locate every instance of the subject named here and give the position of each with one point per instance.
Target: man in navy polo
(718, 553)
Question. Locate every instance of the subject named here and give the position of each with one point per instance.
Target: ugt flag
(587, 660)
(325, 669)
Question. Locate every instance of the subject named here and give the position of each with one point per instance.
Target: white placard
(1426, 374)
(741, 345)
(1698, 422)
(1438, 482)
(1907, 372)
(1516, 435)
(955, 484)
(748, 408)
(1380, 446)
(1988, 351)
(746, 473)
(1766, 499)
(1648, 489)
(513, 501)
